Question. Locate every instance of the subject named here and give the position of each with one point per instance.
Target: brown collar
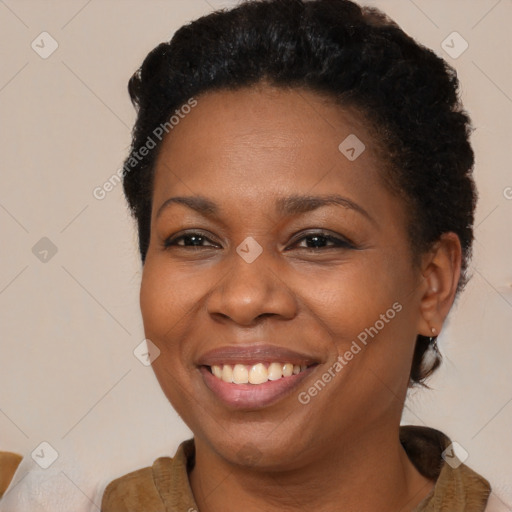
(458, 488)
(165, 485)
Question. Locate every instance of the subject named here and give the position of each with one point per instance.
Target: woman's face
(252, 280)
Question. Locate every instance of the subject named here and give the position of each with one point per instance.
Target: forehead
(266, 117)
(259, 143)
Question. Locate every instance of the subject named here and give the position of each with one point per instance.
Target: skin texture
(244, 149)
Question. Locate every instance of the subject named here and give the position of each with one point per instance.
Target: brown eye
(320, 239)
(192, 239)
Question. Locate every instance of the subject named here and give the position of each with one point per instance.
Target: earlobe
(441, 269)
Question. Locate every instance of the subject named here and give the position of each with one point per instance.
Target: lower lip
(253, 396)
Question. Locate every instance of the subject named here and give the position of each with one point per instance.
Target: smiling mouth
(256, 374)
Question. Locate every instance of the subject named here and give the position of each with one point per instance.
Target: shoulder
(457, 486)
(160, 487)
(9, 462)
(134, 491)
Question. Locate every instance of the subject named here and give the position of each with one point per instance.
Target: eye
(319, 238)
(195, 238)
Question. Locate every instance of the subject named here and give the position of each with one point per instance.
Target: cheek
(153, 297)
(366, 313)
(167, 307)
(353, 297)
(165, 299)
(168, 291)
(172, 301)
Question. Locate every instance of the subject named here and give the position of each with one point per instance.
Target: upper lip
(252, 354)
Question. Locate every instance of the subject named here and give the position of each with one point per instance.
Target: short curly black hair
(355, 55)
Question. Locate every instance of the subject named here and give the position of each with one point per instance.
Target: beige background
(68, 375)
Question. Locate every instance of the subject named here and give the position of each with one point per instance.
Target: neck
(370, 473)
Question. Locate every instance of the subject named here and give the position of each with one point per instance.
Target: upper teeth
(256, 373)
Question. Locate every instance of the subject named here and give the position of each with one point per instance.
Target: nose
(251, 290)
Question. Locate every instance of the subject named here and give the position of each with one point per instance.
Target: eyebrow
(291, 205)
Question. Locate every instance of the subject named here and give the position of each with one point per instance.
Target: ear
(440, 274)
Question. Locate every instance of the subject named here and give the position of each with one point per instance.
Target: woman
(301, 178)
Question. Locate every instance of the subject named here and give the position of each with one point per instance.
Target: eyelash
(338, 242)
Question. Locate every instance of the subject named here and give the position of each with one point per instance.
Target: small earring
(433, 339)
